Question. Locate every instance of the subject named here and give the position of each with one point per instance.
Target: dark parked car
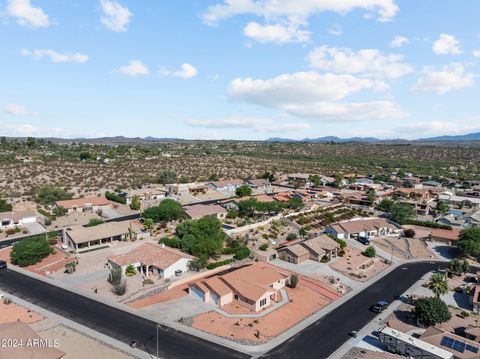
(363, 240)
(3, 264)
(379, 306)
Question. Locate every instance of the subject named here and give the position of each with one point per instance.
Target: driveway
(110, 213)
(35, 228)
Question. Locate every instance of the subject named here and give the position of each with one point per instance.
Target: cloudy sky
(239, 69)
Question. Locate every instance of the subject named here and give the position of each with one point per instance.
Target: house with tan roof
(151, 258)
(87, 204)
(261, 184)
(20, 332)
(254, 287)
(364, 227)
(311, 249)
(196, 211)
(105, 234)
(145, 194)
(460, 347)
(16, 219)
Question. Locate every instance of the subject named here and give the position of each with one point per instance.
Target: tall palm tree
(438, 284)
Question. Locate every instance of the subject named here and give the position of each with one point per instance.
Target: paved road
(317, 341)
(111, 321)
(325, 336)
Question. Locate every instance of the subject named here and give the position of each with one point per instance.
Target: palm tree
(438, 284)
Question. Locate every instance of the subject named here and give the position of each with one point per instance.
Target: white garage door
(194, 292)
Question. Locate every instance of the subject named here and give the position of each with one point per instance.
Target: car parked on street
(379, 306)
(363, 240)
(3, 264)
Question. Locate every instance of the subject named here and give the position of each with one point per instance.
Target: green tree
(386, 205)
(438, 284)
(59, 211)
(431, 311)
(369, 252)
(232, 214)
(401, 174)
(167, 177)
(372, 194)
(292, 283)
(338, 180)
(269, 176)
(202, 237)
(94, 222)
(315, 179)
(148, 224)
(5, 206)
(167, 210)
(458, 267)
(469, 241)
(241, 253)
(30, 251)
(402, 212)
(48, 195)
(135, 204)
(243, 191)
(442, 207)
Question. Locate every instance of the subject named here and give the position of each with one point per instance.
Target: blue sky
(239, 69)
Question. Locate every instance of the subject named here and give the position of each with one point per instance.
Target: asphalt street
(319, 340)
(325, 336)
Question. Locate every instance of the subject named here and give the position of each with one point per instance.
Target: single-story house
(361, 227)
(196, 211)
(260, 184)
(151, 258)
(16, 218)
(198, 189)
(449, 237)
(459, 347)
(314, 249)
(254, 287)
(87, 204)
(145, 194)
(80, 237)
(225, 185)
(233, 203)
(460, 201)
(28, 343)
(473, 219)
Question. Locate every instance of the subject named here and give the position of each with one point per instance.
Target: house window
(263, 302)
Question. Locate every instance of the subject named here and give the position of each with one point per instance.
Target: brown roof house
(80, 237)
(151, 258)
(33, 346)
(254, 287)
(460, 347)
(196, 211)
(361, 227)
(16, 218)
(87, 204)
(314, 249)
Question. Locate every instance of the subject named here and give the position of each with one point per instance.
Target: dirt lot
(404, 248)
(355, 265)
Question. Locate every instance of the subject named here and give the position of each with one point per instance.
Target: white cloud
(448, 78)
(257, 124)
(446, 45)
(276, 33)
(187, 72)
(134, 68)
(375, 110)
(399, 41)
(54, 56)
(21, 130)
(314, 95)
(115, 16)
(18, 110)
(296, 11)
(366, 61)
(335, 30)
(476, 53)
(26, 14)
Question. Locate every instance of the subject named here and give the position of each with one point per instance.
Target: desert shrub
(171, 242)
(264, 247)
(241, 253)
(214, 265)
(48, 195)
(292, 283)
(111, 196)
(369, 252)
(30, 251)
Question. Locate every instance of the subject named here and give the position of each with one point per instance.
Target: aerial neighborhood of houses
(263, 256)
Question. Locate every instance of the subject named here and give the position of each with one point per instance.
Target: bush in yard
(264, 247)
(292, 283)
(70, 267)
(130, 271)
(59, 211)
(369, 252)
(342, 243)
(409, 233)
(431, 311)
(469, 241)
(5, 206)
(291, 236)
(170, 242)
(120, 288)
(214, 265)
(94, 222)
(458, 267)
(30, 251)
(232, 214)
(243, 191)
(198, 263)
(135, 204)
(111, 196)
(241, 253)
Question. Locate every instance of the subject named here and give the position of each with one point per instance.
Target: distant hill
(457, 138)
